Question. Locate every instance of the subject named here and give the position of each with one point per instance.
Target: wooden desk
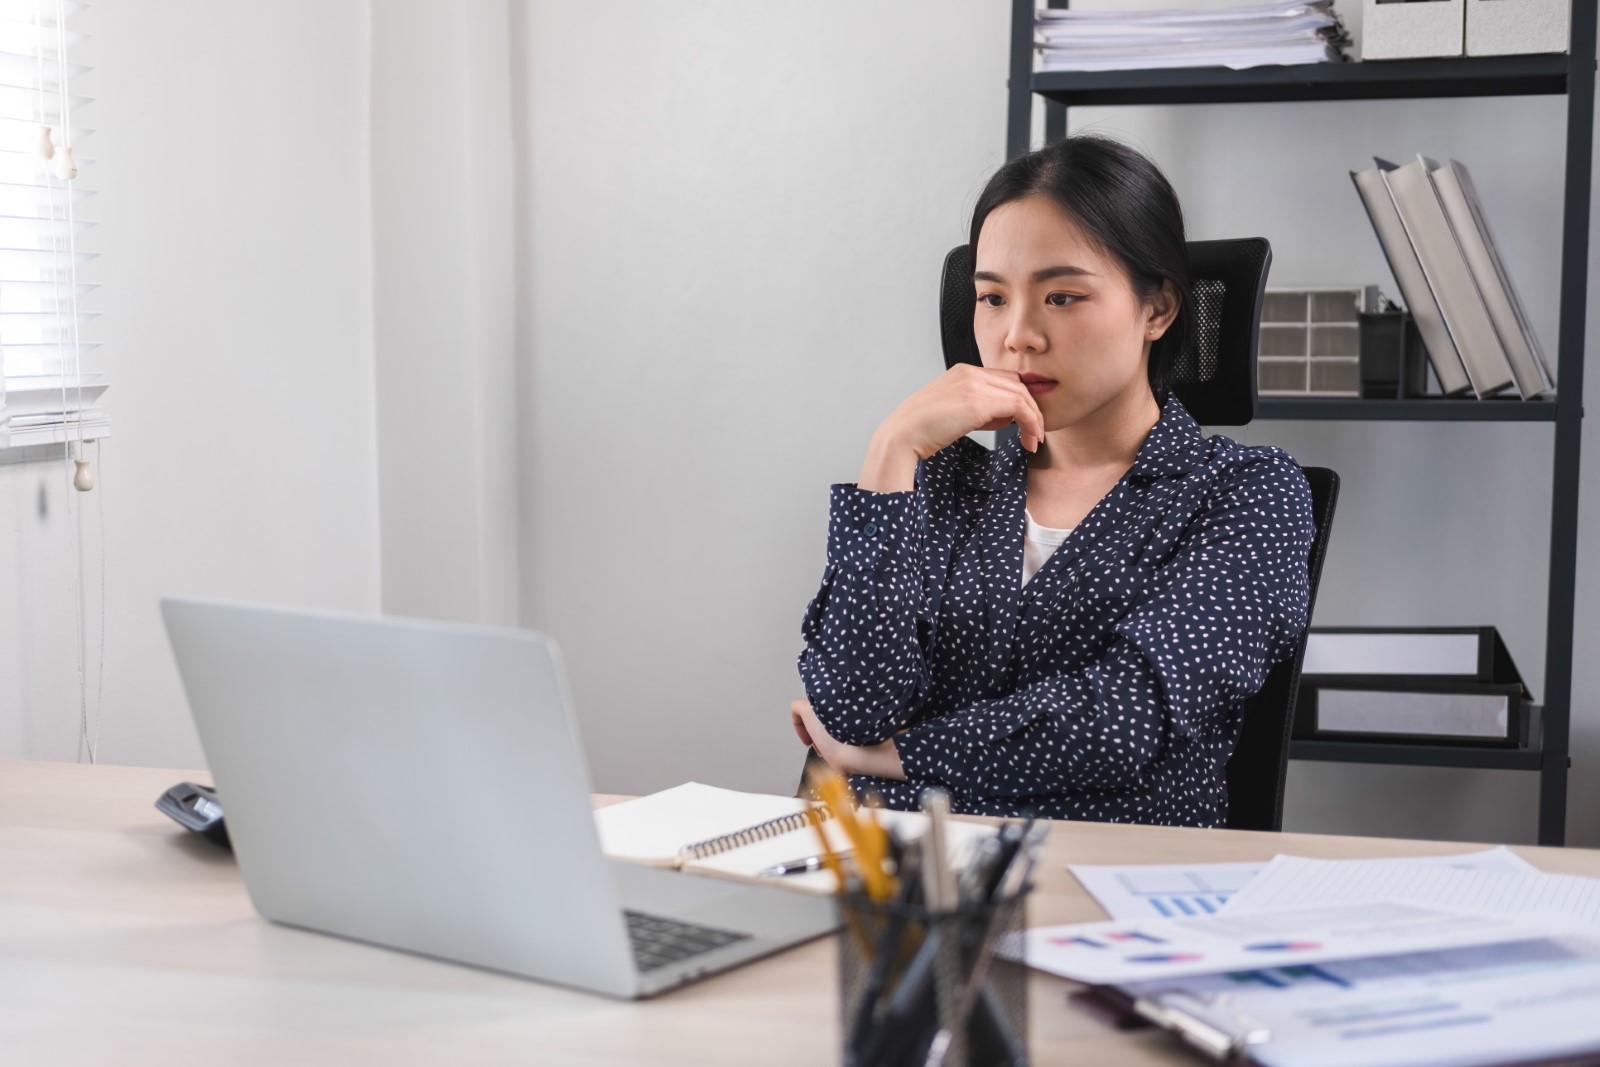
(124, 939)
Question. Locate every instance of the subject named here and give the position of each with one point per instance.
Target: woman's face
(1060, 312)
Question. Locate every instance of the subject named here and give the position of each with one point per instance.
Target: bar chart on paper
(1186, 890)
(1165, 891)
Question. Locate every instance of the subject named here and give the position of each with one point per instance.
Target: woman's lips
(1038, 384)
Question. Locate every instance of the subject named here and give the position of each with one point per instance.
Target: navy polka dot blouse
(1109, 686)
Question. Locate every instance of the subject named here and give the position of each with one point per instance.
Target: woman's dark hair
(1123, 202)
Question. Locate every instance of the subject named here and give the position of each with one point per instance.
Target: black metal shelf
(1571, 75)
(1482, 757)
(1438, 410)
(1375, 80)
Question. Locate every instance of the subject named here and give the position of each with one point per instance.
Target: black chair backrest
(1260, 760)
(1227, 281)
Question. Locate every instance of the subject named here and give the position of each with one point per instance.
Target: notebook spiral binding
(715, 846)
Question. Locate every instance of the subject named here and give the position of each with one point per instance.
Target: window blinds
(50, 384)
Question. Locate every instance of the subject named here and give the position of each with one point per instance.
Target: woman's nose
(1023, 332)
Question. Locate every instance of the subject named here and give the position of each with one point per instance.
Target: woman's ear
(1161, 310)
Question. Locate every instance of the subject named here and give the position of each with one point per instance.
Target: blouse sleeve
(866, 631)
(1214, 620)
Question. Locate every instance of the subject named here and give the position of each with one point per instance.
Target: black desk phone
(196, 807)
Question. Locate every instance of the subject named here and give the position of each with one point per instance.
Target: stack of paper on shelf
(1248, 35)
(1435, 235)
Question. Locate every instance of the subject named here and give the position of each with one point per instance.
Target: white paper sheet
(1182, 890)
(1292, 880)
(1121, 951)
(1247, 12)
(1464, 1007)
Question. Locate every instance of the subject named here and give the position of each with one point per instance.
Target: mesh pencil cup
(918, 986)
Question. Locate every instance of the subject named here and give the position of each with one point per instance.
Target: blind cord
(82, 478)
(61, 166)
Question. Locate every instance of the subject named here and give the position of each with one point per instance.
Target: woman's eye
(1052, 299)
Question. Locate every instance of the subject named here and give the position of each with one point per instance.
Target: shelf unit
(1571, 76)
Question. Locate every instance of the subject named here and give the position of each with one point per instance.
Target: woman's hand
(881, 760)
(962, 399)
(797, 719)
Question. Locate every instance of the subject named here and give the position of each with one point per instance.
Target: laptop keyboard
(658, 941)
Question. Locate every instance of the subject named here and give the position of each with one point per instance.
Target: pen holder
(923, 987)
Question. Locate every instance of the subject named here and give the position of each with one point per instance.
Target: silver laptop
(421, 785)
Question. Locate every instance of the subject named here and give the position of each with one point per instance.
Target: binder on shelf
(1407, 271)
(1511, 325)
(1450, 685)
(1540, 356)
(1448, 276)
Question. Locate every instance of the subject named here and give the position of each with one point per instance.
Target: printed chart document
(1163, 890)
(1293, 880)
(1465, 1007)
(1120, 951)
(1179, 890)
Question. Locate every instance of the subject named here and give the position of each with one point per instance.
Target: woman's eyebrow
(1039, 275)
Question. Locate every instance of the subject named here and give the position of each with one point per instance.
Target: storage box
(1515, 27)
(1310, 341)
(1410, 29)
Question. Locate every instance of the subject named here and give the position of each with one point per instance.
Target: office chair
(1215, 378)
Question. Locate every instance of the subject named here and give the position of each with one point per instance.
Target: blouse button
(870, 529)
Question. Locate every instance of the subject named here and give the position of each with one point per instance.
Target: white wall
(732, 227)
(443, 197)
(236, 288)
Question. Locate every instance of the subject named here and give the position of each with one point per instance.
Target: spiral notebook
(723, 832)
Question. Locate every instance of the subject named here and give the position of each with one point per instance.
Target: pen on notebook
(804, 865)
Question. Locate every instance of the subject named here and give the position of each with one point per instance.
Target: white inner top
(1037, 544)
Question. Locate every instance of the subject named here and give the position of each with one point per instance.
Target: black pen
(799, 866)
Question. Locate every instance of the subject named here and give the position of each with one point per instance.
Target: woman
(1067, 624)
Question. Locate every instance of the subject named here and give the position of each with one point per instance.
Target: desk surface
(124, 939)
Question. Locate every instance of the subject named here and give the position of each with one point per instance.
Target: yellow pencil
(831, 861)
(835, 791)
